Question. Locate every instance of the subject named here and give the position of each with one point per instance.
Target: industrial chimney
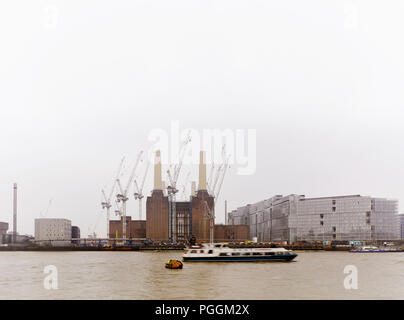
(193, 188)
(158, 182)
(15, 215)
(202, 171)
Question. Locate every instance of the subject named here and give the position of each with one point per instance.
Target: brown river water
(142, 275)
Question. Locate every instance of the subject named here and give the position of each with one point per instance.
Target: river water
(141, 275)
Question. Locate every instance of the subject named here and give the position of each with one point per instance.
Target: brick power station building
(191, 217)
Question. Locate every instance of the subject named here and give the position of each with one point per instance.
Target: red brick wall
(157, 210)
(200, 223)
(135, 229)
(231, 233)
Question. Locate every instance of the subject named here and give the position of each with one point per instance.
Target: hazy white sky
(82, 83)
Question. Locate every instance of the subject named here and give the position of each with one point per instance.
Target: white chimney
(202, 171)
(158, 183)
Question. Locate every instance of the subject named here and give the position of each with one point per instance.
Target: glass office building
(296, 218)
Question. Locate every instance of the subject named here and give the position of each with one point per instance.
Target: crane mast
(217, 174)
(139, 191)
(210, 215)
(123, 195)
(222, 175)
(185, 185)
(215, 182)
(107, 200)
(172, 189)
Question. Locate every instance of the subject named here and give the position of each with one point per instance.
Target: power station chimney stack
(15, 215)
(158, 182)
(202, 171)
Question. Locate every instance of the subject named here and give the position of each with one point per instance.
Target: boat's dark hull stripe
(241, 259)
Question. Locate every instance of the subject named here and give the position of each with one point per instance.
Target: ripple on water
(138, 275)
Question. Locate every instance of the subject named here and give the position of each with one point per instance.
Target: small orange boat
(174, 264)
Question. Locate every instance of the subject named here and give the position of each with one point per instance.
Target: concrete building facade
(401, 217)
(296, 218)
(53, 231)
(3, 232)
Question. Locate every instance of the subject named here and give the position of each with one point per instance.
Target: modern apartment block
(297, 218)
(55, 232)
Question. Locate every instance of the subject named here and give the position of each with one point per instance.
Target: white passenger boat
(220, 252)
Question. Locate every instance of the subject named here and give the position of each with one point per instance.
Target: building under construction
(170, 221)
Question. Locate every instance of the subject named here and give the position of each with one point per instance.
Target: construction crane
(212, 170)
(172, 188)
(210, 216)
(107, 200)
(217, 174)
(44, 212)
(118, 211)
(222, 174)
(139, 191)
(122, 197)
(118, 208)
(185, 185)
(107, 205)
(216, 177)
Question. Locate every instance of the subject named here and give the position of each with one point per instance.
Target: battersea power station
(178, 221)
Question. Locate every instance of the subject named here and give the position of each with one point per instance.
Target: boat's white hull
(280, 258)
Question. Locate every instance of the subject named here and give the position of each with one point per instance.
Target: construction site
(178, 214)
(169, 221)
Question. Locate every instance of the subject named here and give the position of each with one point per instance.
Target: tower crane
(210, 216)
(212, 170)
(123, 195)
(118, 209)
(172, 188)
(44, 212)
(217, 175)
(139, 191)
(185, 185)
(107, 200)
(214, 175)
(216, 183)
(222, 174)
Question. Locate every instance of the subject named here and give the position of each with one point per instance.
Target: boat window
(194, 251)
(217, 246)
(257, 254)
(269, 253)
(246, 254)
(201, 251)
(210, 252)
(223, 254)
(235, 254)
